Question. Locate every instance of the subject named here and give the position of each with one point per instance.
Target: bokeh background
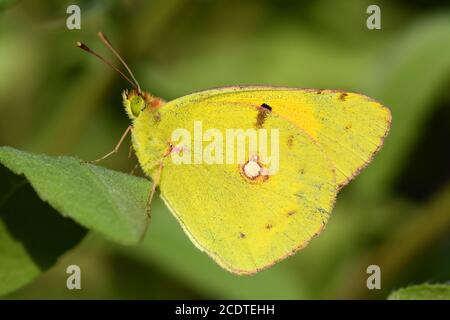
(55, 99)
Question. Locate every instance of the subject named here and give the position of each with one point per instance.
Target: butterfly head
(135, 102)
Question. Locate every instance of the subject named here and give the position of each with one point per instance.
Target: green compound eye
(136, 105)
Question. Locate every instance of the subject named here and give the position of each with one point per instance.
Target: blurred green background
(56, 99)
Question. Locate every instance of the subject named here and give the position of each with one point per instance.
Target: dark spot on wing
(319, 231)
(156, 117)
(266, 106)
(348, 126)
(342, 96)
(241, 235)
(268, 226)
(300, 195)
(291, 213)
(263, 112)
(290, 141)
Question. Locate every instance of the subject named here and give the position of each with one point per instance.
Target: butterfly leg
(116, 148)
(134, 169)
(130, 152)
(153, 189)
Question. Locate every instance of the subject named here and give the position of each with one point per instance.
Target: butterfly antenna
(89, 50)
(109, 45)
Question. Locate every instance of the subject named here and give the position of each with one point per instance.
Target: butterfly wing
(244, 225)
(350, 127)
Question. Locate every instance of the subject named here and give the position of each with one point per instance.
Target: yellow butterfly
(238, 208)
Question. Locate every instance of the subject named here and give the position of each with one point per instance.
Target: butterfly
(249, 210)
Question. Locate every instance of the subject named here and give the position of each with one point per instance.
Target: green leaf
(103, 200)
(32, 234)
(409, 81)
(422, 292)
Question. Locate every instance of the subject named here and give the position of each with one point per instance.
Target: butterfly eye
(136, 105)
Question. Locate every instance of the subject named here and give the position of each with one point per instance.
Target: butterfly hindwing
(242, 224)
